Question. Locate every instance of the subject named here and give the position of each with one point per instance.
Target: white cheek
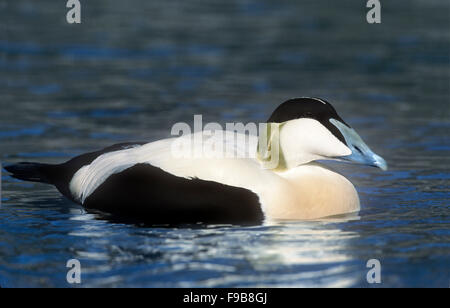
(308, 136)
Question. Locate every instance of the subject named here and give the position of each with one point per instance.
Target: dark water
(133, 68)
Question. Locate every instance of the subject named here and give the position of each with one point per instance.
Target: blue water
(134, 68)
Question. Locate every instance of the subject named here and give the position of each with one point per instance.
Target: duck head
(306, 129)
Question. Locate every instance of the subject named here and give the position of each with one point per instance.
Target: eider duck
(146, 182)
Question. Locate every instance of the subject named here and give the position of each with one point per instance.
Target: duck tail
(33, 172)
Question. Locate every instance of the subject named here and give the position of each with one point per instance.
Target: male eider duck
(146, 183)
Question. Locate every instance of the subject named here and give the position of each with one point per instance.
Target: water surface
(134, 68)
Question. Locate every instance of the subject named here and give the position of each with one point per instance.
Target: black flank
(144, 193)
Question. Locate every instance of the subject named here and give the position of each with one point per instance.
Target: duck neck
(278, 150)
(269, 153)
